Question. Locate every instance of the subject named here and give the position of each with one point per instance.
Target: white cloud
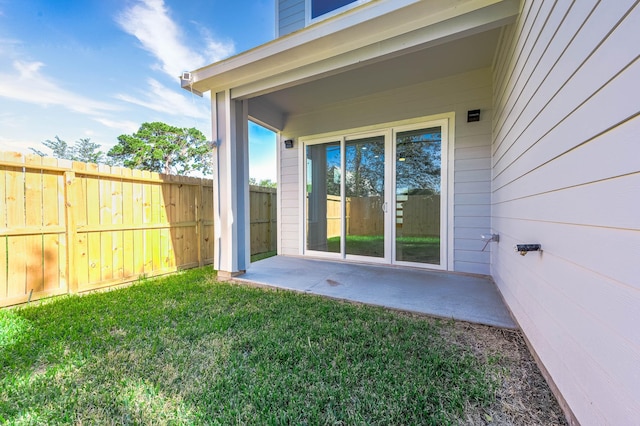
(169, 101)
(123, 126)
(150, 23)
(28, 84)
(12, 120)
(8, 46)
(16, 145)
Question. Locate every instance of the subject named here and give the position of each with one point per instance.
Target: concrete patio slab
(448, 295)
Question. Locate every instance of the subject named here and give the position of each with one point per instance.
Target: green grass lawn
(265, 255)
(418, 249)
(186, 349)
(408, 249)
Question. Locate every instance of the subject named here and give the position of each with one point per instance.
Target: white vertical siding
(566, 174)
(290, 16)
(289, 232)
(472, 153)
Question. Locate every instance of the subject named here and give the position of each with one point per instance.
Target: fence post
(269, 224)
(199, 207)
(70, 206)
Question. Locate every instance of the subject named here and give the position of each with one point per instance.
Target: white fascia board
(434, 35)
(373, 24)
(283, 46)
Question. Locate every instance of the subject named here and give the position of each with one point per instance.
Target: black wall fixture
(523, 249)
(473, 115)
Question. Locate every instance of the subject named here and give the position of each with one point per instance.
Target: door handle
(384, 207)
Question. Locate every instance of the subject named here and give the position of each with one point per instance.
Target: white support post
(231, 185)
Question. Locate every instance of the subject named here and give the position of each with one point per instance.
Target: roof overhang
(373, 32)
(382, 45)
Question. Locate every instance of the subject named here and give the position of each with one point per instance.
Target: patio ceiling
(380, 46)
(432, 63)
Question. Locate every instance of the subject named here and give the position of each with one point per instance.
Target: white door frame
(445, 195)
(388, 196)
(389, 130)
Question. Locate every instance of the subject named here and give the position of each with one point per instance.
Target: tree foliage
(159, 147)
(418, 164)
(365, 168)
(265, 183)
(87, 151)
(83, 150)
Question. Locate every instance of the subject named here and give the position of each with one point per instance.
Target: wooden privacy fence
(72, 227)
(416, 215)
(263, 219)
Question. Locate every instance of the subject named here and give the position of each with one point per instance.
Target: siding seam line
(509, 87)
(534, 67)
(595, 49)
(551, 69)
(591, 139)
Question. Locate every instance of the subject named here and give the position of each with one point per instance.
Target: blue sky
(100, 68)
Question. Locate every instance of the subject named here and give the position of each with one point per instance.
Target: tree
(83, 150)
(365, 168)
(87, 151)
(159, 147)
(265, 183)
(418, 163)
(59, 147)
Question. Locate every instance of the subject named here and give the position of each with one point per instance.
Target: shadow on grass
(185, 349)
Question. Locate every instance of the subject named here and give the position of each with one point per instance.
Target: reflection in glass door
(364, 196)
(418, 196)
(379, 196)
(323, 210)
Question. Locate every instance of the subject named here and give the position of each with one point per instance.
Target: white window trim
(446, 202)
(307, 11)
(447, 120)
(304, 142)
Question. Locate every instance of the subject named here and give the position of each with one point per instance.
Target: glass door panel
(324, 206)
(364, 196)
(418, 195)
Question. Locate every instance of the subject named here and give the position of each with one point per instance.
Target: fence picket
(33, 221)
(198, 217)
(3, 239)
(55, 278)
(137, 206)
(73, 227)
(71, 201)
(172, 195)
(79, 199)
(16, 245)
(106, 237)
(93, 219)
(117, 236)
(127, 218)
(3, 257)
(156, 205)
(207, 225)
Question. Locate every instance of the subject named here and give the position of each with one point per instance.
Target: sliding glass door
(418, 194)
(365, 196)
(378, 196)
(323, 189)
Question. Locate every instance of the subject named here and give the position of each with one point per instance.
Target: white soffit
(378, 31)
(456, 57)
